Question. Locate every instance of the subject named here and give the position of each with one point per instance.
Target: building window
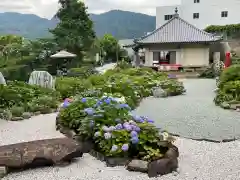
(196, 1)
(168, 17)
(224, 14)
(195, 15)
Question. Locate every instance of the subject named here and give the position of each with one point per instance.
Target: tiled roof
(177, 30)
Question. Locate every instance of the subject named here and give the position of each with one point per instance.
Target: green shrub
(114, 131)
(208, 73)
(19, 94)
(44, 104)
(17, 111)
(70, 86)
(229, 86)
(231, 73)
(83, 72)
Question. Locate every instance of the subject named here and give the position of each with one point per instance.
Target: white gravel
(198, 160)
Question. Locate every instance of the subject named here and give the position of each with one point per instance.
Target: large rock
(57, 151)
(138, 165)
(162, 166)
(172, 153)
(159, 92)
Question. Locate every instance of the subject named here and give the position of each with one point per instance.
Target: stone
(3, 171)
(172, 153)
(17, 119)
(37, 113)
(234, 106)
(67, 132)
(159, 92)
(26, 115)
(162, 166)
(138, 166)
(39, 153)
(225, 105)
(118, 161)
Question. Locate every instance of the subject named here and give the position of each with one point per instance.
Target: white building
(202, 13)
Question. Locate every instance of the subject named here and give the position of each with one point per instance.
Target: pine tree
(74, 32)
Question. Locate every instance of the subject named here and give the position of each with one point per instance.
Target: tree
(75, 30)
(110, 46)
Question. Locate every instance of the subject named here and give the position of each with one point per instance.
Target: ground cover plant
(19, 99)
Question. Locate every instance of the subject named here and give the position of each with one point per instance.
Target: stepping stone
(58, 151)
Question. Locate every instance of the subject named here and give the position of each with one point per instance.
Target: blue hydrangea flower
(107, 135)
(135, 140)
(150, 121)
(128, 127)
(89, 111)
(97, 134)
(119, 126)
(138, 119)
(124, 106)
(84, 100)
(134, 134)
(125, 147)
(107, 100)
(65, 104)
(114, 148)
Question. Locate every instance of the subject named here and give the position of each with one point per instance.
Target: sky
(47, 8)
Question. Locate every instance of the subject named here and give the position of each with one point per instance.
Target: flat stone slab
(39, 153)
(193, 115)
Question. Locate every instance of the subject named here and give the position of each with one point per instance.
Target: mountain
(121, 24)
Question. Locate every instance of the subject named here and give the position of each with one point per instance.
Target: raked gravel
(198, 160)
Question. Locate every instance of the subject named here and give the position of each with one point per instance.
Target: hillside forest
(74, 33)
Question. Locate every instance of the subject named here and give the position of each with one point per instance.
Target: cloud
(47, 8)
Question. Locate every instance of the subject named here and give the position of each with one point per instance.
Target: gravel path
(193, 115)
(198, 160)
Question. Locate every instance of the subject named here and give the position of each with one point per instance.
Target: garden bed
(21, 101)
(118, 137)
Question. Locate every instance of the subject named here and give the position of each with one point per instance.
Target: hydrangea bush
(108, 122)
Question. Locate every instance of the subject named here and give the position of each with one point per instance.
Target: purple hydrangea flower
(125, 147)
(89, 111)
(128, 127)
(138, 119)
(150, 121)
(135, 140)
(112, 128)
(171, 76)
(84, 100)
(126, 124)
(107, 135)
(134, 134)
(136, 128)
(119, 126)
(105, 129)
(114, 148)
(97, 134)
